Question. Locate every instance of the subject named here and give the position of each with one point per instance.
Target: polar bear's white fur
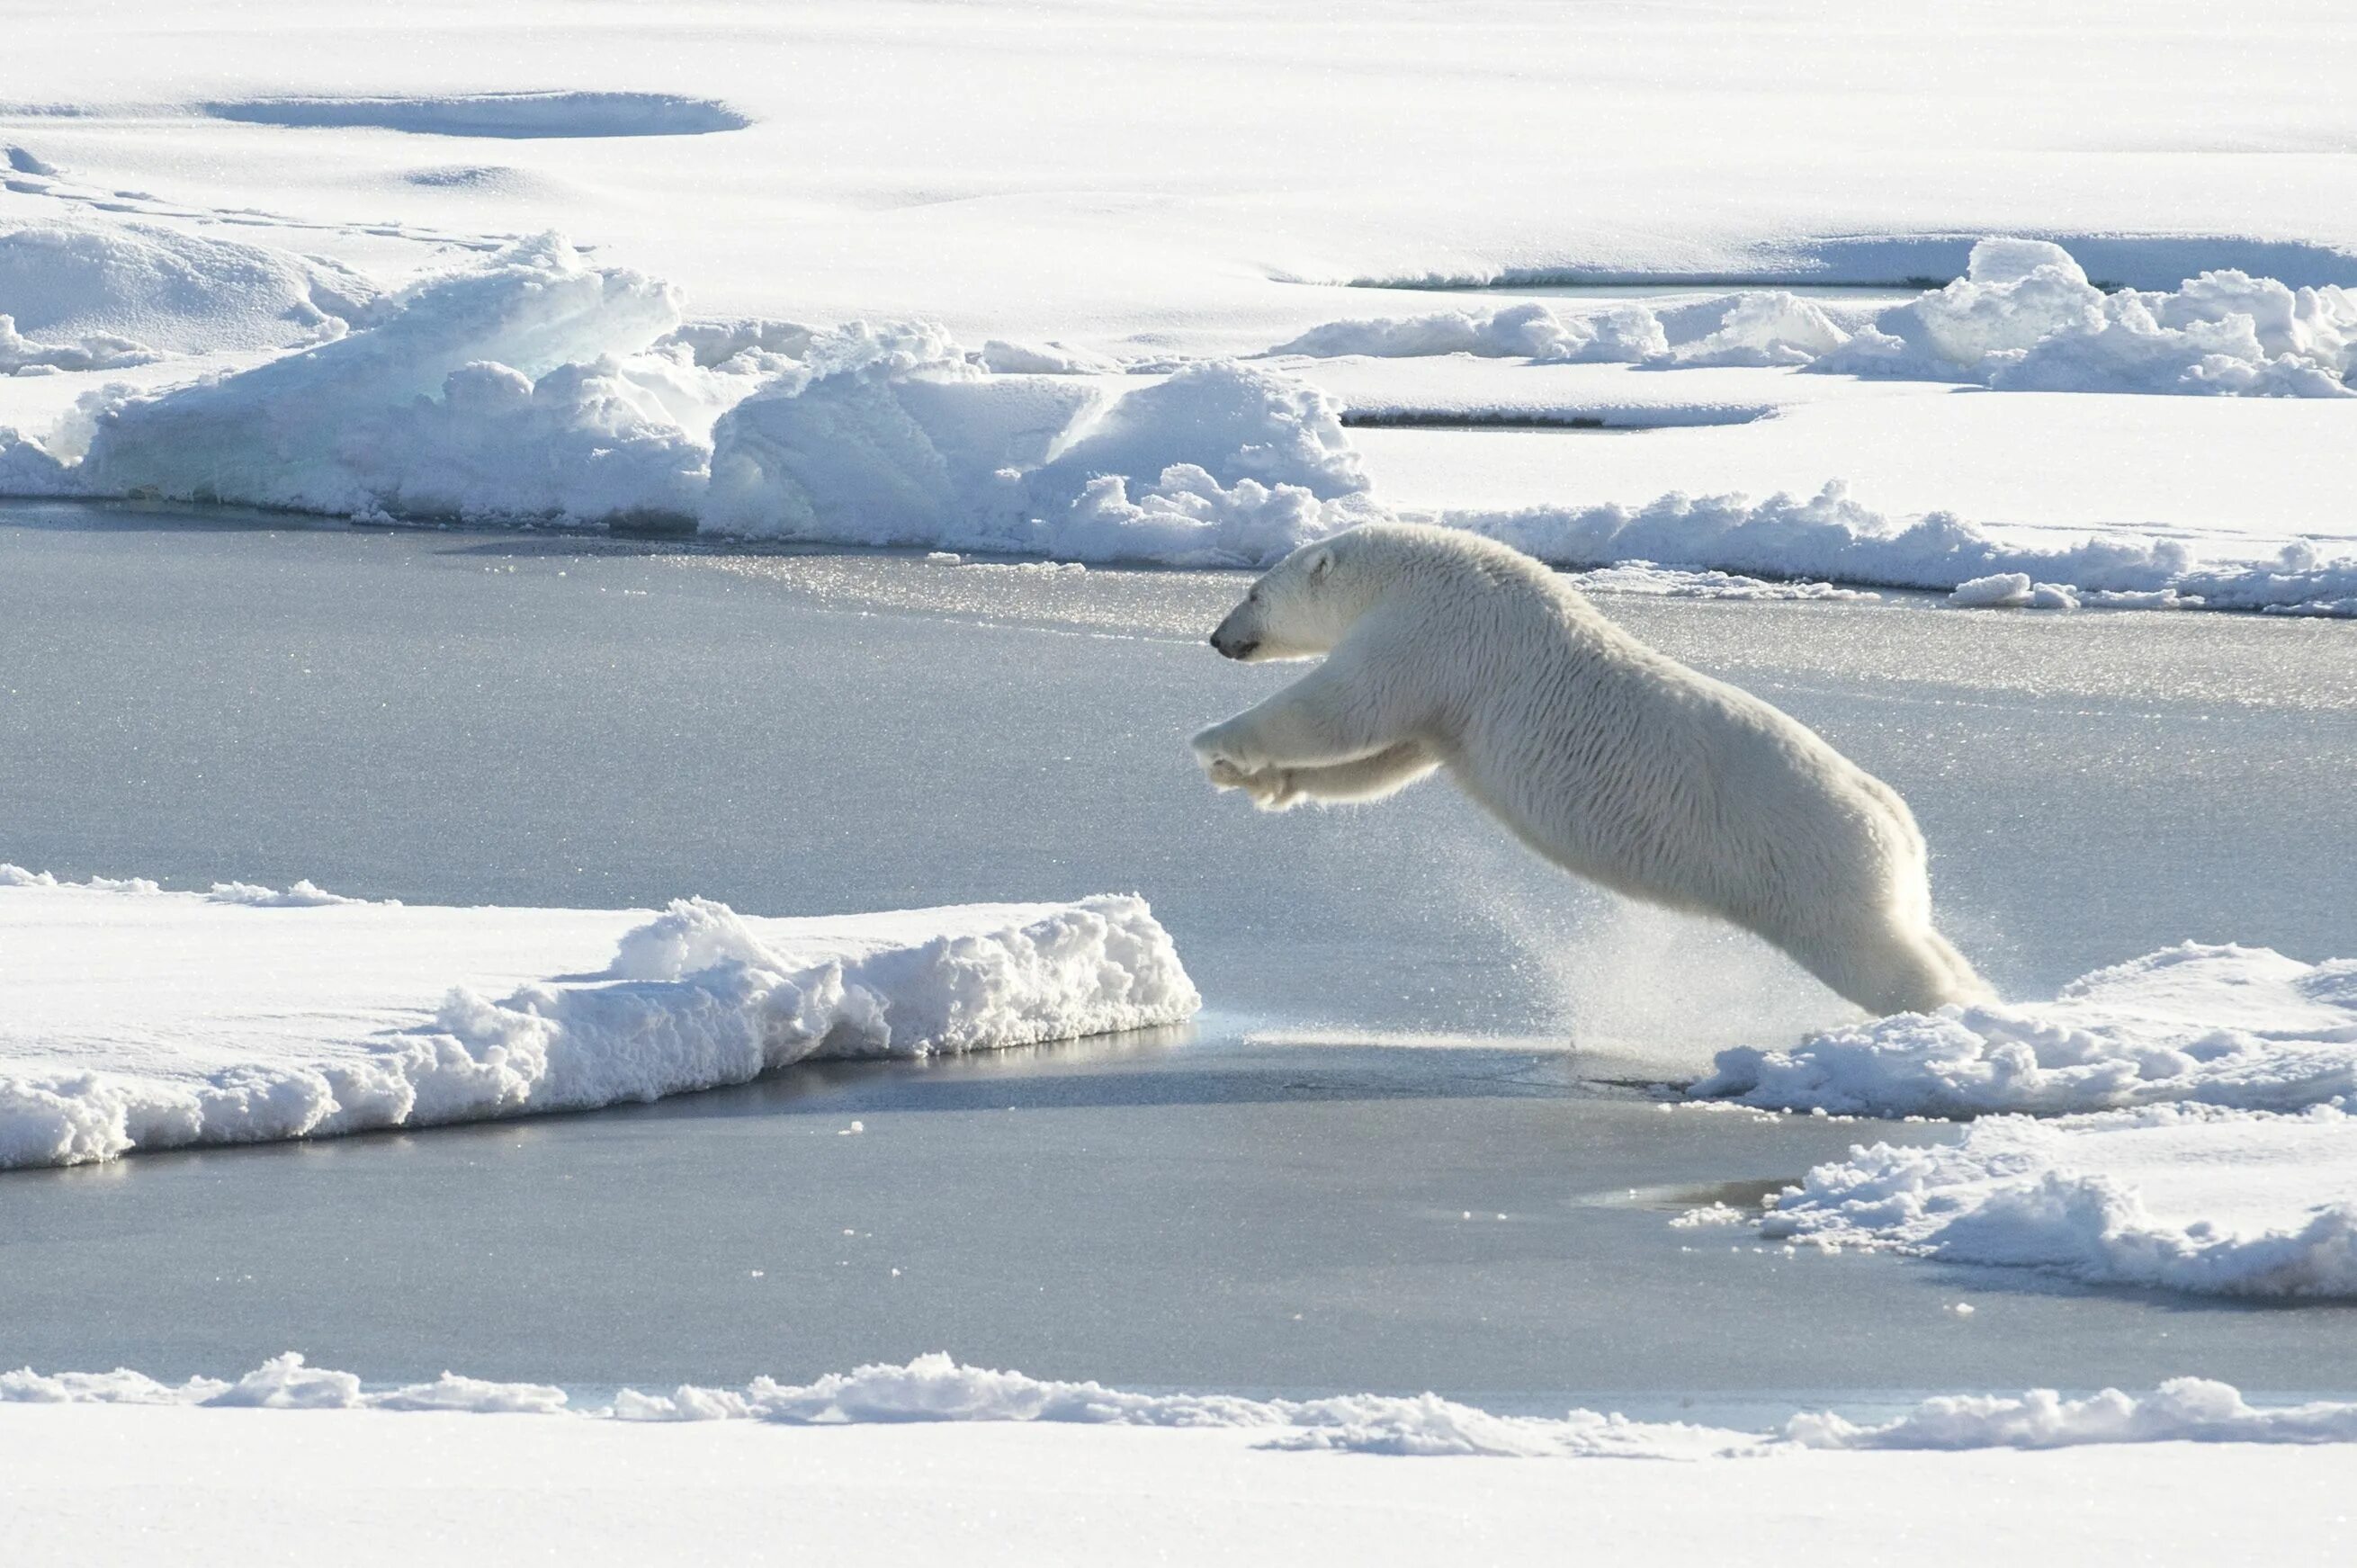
(1445, 649)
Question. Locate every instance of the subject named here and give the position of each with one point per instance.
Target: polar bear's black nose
(1234, 650)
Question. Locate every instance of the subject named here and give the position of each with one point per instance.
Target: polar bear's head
(1298, 609)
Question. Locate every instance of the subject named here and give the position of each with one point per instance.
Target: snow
(143, 1019)
(937, 1388)
(2218, 1025)
(2199, 1199)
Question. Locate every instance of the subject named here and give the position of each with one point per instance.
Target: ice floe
(141, 1019)
(936, 1388)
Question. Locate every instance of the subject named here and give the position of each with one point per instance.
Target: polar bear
(1446, 650)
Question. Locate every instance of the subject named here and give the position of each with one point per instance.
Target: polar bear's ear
(1320, 564)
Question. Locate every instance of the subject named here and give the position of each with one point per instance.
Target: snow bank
(125, 292)
(2188, 1197)
(2025, 317)
(138, 1019)
(2220, 1026)
(935, 1388)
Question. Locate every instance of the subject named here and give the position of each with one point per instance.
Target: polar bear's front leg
(1318, 721)
(1387, 772)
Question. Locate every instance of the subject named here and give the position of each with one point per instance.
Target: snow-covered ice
(143, 1019)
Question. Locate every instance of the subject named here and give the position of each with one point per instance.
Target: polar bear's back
(1631, 768)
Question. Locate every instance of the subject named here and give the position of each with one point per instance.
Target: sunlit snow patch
(136, 1019)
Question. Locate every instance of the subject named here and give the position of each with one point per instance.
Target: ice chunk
(143, 1019)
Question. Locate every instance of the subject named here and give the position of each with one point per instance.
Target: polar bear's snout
(1231, 641)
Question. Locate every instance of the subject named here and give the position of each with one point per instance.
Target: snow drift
(935, 1388)
(2024, 317)
(139, 1019)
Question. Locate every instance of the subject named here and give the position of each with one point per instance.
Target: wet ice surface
(1276, 1198)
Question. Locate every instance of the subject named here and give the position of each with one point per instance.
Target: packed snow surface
(937, 1388)
(141, 1019)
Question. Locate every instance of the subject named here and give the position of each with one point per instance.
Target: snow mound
(2024, 317)
(2221, 1025)
(497, 393)
(502, 114)
(2200, 1198)
(892, 436)
(2182, 1410)
(935, 1388)
(139, 1019)
(122, 294)
(1829, 536)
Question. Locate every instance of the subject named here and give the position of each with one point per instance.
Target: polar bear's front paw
(1226, 774)
(1221, 746)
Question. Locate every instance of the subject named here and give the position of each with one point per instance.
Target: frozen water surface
(1410, 1021)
